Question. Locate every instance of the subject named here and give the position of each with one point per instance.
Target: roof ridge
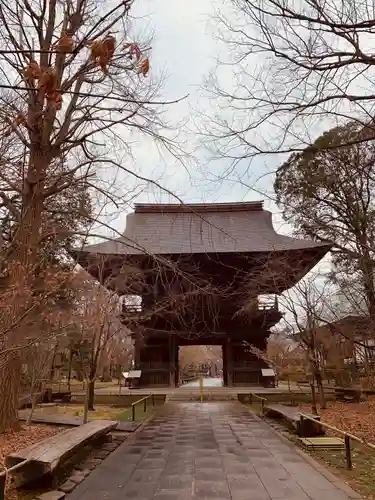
(237, 206)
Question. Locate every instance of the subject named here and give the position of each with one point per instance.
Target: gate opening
(201, 360)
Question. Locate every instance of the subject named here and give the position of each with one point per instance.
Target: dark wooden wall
(158, 360)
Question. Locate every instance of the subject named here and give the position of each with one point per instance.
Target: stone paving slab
(194, 451)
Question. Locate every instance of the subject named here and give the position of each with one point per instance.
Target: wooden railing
(140, 401)
(262, 401)
(4, 475)
(153, 365)
(347, 437)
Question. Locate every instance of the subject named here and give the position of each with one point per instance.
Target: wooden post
(171, 360)
(262, 407)
(251, 398)
(153, 400)
(133, 412)
(145, 405)
(225, 369)
(348, 452)
(301, 426)
(229, 366)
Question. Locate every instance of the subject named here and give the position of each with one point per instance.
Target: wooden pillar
(171, 361)
(177, 366)
(225, 368)
(227, 356)
(137, 353)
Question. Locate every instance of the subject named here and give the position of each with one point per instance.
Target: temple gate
(205, 274)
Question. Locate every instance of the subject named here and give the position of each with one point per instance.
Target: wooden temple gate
(200, 271)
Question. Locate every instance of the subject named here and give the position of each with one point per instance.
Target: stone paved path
(204, 452)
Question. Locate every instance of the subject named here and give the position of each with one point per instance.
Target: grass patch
(76, 386)
(255, 409)
(102, 412)
(140, 415)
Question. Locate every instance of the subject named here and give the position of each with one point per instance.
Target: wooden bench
(47, 455)
(292, 416)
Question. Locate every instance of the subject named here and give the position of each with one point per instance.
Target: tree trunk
(70, 368)
(34, 398)
(91, 395)
(52, 371)
(91, 389)
(86, 403)
(22, 261)
(322, 398)
(314, 408)
(10, 372)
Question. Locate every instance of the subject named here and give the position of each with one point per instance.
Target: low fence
(4, 474)
(347, 438)
(118, 400)
(347, 435)
(292, 397)
(262, 400)
(144, 403)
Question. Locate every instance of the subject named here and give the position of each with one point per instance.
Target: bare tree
(37, 358)
(285, 353)
(191, 357)
(73, 86)
(305, 305)
(97, 324)
(44, 314)
(297, 67)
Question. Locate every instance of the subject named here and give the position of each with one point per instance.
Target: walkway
(204, 452)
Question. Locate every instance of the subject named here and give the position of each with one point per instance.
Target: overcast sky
(184, 51)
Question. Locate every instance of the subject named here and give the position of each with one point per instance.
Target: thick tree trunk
(10, 371)
(22, 261)
(23, 255)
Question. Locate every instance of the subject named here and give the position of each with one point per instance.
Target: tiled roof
(200, 228)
